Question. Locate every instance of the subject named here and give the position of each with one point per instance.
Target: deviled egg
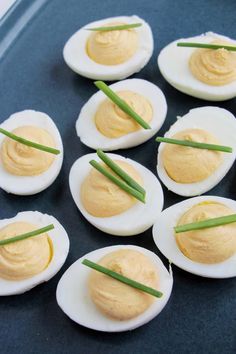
(189, 171)
(96, 301)
(209, 74)
(107, 206)
(209, 252)
(102, 124)
(25, 170)
(109, 55)
(29, 262)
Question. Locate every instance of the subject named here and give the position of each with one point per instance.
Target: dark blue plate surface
(201, 314)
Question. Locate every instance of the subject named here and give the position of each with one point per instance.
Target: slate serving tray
(201, 314)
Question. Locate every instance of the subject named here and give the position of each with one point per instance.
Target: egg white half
(217, 121)
(74, 299)
(60, 242)
(164, 238)
(135, 220)
(28, 185)
(173, 63)
(76, 57)
(89, 134)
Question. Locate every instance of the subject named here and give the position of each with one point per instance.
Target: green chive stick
(206, 46)
(195, 144)
(121, 103)
(122, 278)
(136, 194)
(115, 28)
(222, 220)
(27, 235)
(121, 173)
(29, 143)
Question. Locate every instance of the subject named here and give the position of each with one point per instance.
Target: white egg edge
(60, 242)
(89, 134)
(115, 225)
(92, 70)
(68, 289)
(226, 122)
(164, 238)
(198, 89)
(29, 185)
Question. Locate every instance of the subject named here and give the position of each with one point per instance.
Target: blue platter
(201, 314)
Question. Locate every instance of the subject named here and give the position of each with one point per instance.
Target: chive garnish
(122, 278)
(195, 144)
(27, 235)
(206, 46)
(222, 220)
(29, 143)
(121, 173)
(121, 103)
(114, 28)
(118, 182)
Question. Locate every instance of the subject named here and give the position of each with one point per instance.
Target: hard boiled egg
(133, 221)
(89, 134)
(59, 244)
(173, 62)
(74, 299)
(28, 185)
(164, 237)
(76, 52)
(217, 121)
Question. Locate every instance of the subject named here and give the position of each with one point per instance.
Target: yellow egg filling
(118, 300)
(211, 245)
(214, 67)
(112, 122)
(102, 198)
(22, 160)
(189, 165)
(26, 258)
(112, 47)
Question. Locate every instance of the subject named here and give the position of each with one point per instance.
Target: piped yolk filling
(189, 165)
(214, 67)
(112, 122)
(102, 198)
(26, 258)
(118, 300)
(112, 47)
(22, 160)
(211, 245)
